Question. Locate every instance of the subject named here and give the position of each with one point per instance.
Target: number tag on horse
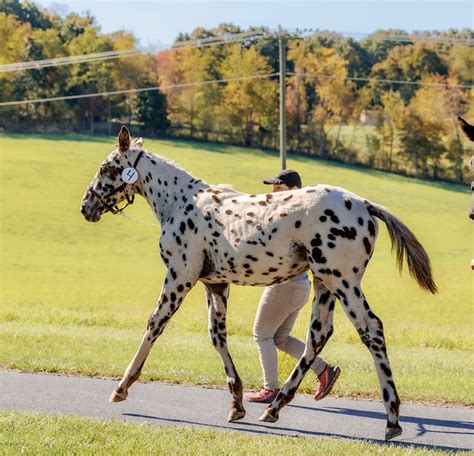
(129, 175)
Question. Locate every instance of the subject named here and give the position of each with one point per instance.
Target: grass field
(75, 296)
(34, 434)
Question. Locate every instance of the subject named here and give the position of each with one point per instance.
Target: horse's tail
(406, 245)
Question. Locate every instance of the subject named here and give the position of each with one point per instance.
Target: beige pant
(276, 316)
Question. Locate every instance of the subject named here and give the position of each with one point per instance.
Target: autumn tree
(249, 106)
(407, 63)
(388, 129)
(333, 95)
(182, 72)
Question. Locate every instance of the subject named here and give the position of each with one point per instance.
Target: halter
(103, 199)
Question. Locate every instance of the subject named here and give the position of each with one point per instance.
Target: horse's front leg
(319, 332)
(217, 307)
(172, 294)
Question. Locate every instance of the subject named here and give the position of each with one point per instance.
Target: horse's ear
(124, 139)
(466, 128)
(137, 142)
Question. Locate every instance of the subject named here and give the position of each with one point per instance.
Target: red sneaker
(264, 396)
(327, 378)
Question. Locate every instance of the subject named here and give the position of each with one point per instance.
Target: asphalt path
(175, 405)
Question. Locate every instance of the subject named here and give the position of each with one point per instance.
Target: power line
(100, 56)
(408, 38)
(388, 81)
(83, 58)
(228, 38)
(143, 89)
(221, 81)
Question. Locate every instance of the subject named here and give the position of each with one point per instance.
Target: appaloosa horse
(220, 236)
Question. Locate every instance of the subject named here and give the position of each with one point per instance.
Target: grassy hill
(75, 296)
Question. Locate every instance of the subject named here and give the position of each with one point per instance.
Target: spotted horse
(219, 236)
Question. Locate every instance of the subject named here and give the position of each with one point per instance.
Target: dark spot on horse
(371, 228)
(386, 370)
(316, 325)
(367, 245)
(348, 204)
(324, 297)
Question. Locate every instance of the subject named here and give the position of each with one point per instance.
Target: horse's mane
(137, 144)
(224, 187)
(157, 156)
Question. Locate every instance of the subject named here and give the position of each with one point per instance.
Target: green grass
(75, 296)
(35, 434)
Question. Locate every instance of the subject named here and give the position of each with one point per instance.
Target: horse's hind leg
(217, 307)
(370, 329)
(171, 296)
(319, 332)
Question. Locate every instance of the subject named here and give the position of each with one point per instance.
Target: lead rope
(133, 219)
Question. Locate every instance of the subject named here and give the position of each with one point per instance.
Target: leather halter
(103, 199)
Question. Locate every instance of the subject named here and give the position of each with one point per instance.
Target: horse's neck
(165, 186)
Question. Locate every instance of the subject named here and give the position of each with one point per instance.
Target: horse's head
(114, 180)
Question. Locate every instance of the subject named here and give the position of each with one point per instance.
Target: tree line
(346, 99)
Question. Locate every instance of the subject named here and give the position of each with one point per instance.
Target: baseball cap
(288, 177)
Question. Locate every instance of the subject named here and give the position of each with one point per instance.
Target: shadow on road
(259, 428)
(465, 427)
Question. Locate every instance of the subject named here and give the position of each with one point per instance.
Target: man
(276, 315)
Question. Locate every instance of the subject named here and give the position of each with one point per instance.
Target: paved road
(173, 405)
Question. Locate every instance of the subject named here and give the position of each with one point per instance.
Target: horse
(220, 236)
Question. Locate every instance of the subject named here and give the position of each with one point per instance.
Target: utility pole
(282, 55)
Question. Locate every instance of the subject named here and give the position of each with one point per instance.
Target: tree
(151, 110)
(331, 95)
(90, 77)
(26, 12)
(392, 116)
(249, 106)
(188, 104)
(13, 36)
(297, 109)
(460, 61)
(407, 63)
(381, 42)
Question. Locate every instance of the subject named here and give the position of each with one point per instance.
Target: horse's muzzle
(89, 215)
(90, 210)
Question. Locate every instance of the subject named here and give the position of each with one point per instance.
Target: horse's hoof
(235, 415)
(117, 397)
(392, 431)
(268, 417)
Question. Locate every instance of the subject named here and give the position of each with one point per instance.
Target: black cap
(288, 177)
